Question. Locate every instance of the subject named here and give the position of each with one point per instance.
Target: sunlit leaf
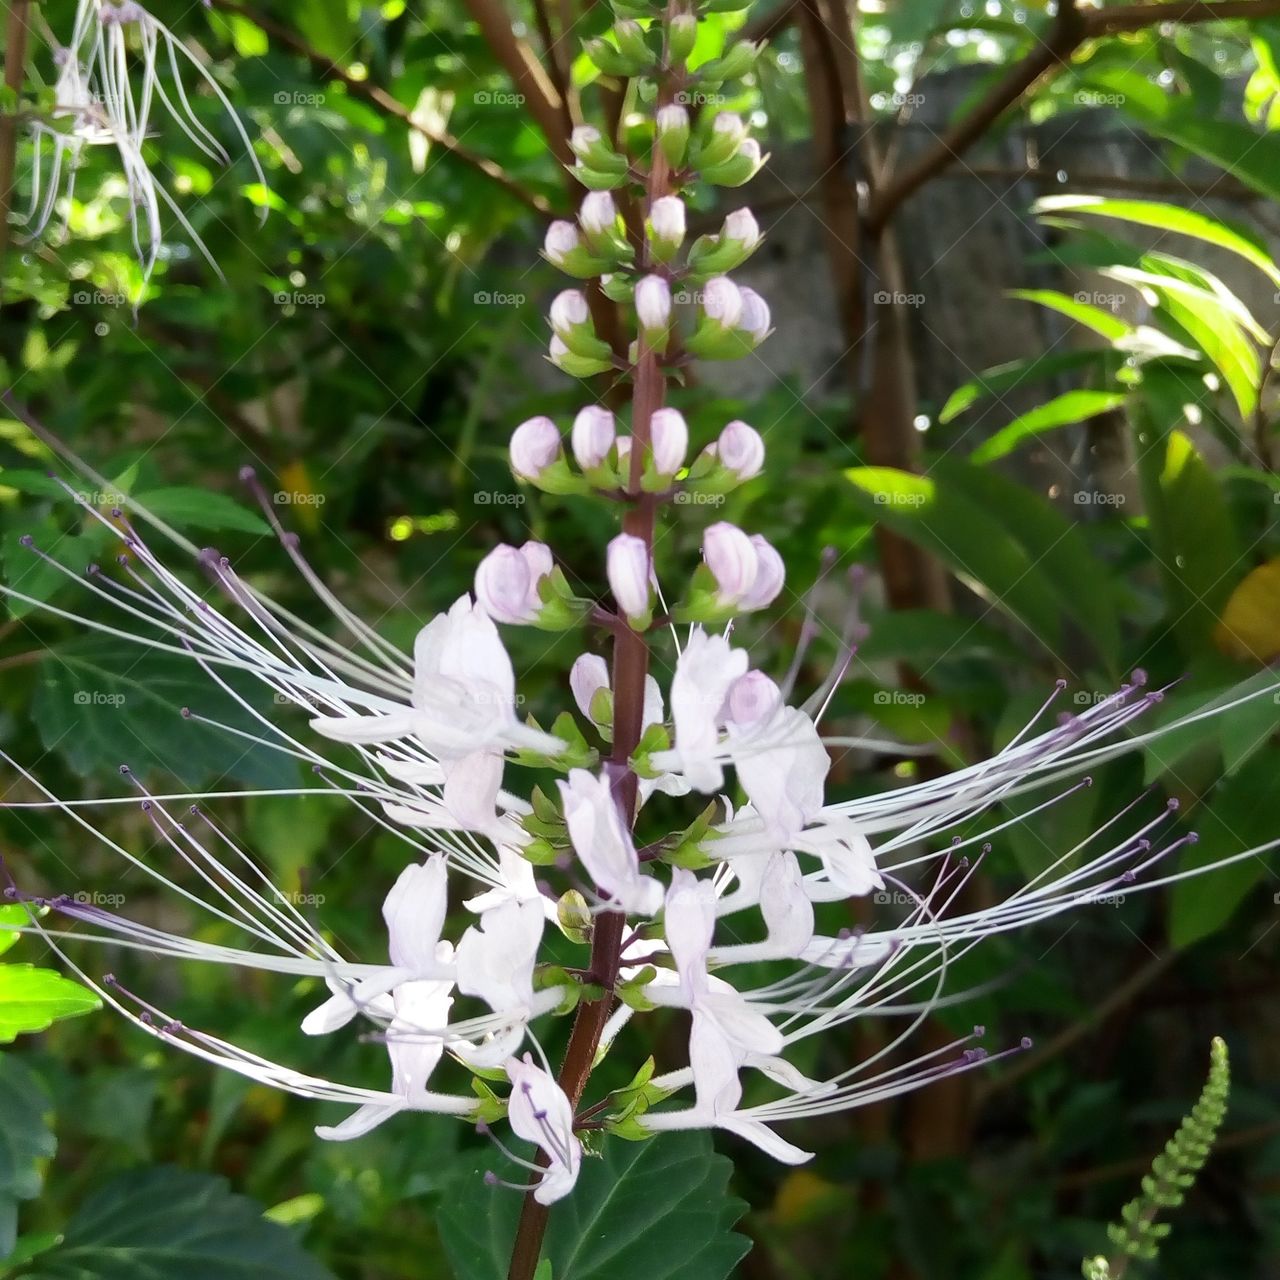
(1062, 411)
(34, 999)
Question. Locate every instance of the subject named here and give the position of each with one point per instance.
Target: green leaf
(655, 1210)
(26, 1141)
(1193, 535)
(102, 702)
(1062, 411)
(1243, 812)
(34, 999)
(157, 1224)
(201, 509)
(1103, 322)
(1004, 378)
(1170, 217)
(15, 915)
(968, 538)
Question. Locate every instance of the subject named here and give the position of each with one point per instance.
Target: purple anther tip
(26, 540)
(186, 713)
(1026, 1042)
(979, 1030)
(490, 1178)
(247, 473)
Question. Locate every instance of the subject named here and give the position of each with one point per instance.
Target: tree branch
(1070, 29)
(386, 103)
(542, 100)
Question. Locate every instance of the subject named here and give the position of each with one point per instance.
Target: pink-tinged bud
(628, 571)
(740, 448)
(584, 139)
(569, 310)
(753, 700)
(507, 579)
(722, 301)
(653, 303)
(730, 125)
(667, 221)
(672, 116)
(598, 214)
(668, 441)
(755, 317)
(771, 573)
(623, 446)
(749, 149)
(588, 675)
(741, 226)
(592, 436)
(673, 132)
(731, 557)
(561, 240)
(535, 445)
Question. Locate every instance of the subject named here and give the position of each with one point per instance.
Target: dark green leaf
(26, 1141)
(654, 1210)
(159, 1224)
(201, 509)
(1062, 411)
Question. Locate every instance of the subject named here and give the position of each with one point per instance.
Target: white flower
(667, 220)
(741, 226)
(540, 1113)
(754, 316)
(731, 557)
(507, 581)
(705, 672)
(722, 301)
(463, 694)
(603, 843)
(598, 215)
(561, 240)
(653, 303)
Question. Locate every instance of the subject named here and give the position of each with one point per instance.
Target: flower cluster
(727, 919)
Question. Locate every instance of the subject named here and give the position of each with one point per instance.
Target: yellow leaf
(1250, 622)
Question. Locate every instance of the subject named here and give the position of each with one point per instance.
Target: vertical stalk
(15, 59)
(630, 667)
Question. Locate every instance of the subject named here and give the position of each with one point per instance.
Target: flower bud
(507, 579)
(771, 573)
(740, 168)
(728, 133)
(673, 132)
(561, 240)
(623, 447)
(755, 317)
(668, 441)
(569, 310)
(731, 557)
(682, 35)
(589, 145)
(752, 700)
(740, 59)
(598, 215)
(740, 449)
(627, 568)
(741, 227)
(630, 37)
(535, 445)
(666, 227)
(722, 302)
(573, 363)
(653, 310)
(592, 436)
